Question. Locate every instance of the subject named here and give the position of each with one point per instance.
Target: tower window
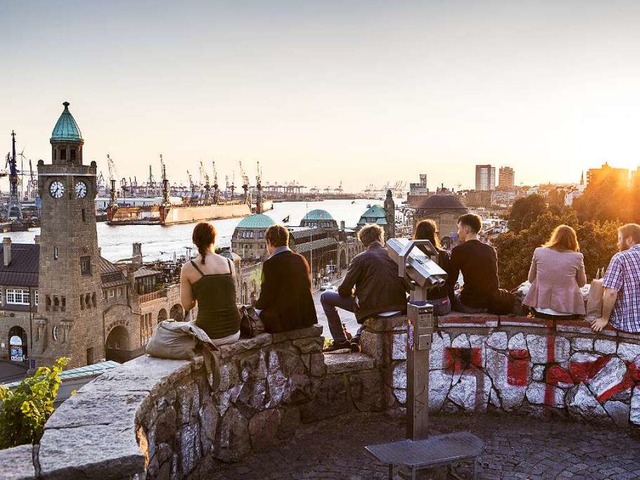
(85, 265)
(63, 154)
(83, 216)
(55, 253)
(73, 155)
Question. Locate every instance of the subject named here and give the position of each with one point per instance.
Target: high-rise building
(612, 177)
(506, 178)
(485, 177)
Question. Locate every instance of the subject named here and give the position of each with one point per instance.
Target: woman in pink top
(556, 275)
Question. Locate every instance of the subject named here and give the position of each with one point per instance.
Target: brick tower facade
(69, 321)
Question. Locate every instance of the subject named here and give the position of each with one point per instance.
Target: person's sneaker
(355, 347)
(336, 347)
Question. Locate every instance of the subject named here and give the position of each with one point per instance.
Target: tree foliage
(26, 409)
(525, 211)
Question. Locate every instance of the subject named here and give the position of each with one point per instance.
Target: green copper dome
(374, 214)
(256, 222)
(318, 215)
(66, 130)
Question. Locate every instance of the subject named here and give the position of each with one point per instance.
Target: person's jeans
(331, 300)
(458, 306)
(441, 306)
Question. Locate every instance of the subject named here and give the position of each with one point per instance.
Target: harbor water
(165, 243)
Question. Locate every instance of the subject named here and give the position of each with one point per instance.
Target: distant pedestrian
(438, 297)
(478, 263)
(370, 288)
(209, 281)
(621, 282)
(285, 301)
(556, 276)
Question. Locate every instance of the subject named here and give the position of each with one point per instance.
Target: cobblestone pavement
(515, 448)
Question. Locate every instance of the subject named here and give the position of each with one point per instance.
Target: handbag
(176, 340)
(594, 300)
(250, 322)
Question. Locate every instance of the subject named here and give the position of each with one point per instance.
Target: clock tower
(69, 321)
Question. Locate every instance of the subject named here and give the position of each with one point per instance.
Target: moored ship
(207, 207)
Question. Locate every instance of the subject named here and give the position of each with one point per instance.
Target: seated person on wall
(285, 301)
(438, 297)
(209, 280)
(621, 282)
(556, 275)
(478, 263)
(379, 291)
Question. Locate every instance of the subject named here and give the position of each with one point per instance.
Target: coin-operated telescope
(422, 272)
(420, 269)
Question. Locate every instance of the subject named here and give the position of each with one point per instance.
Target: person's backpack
(502, 303)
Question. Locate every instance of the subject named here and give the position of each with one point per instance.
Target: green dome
(318, 214)
(256, 222)
(374, 214)
(66, 130)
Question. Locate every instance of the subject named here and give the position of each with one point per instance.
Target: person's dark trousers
(330, 302)
(458, 306)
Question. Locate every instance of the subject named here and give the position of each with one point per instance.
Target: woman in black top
(438, 297)
(209, 281)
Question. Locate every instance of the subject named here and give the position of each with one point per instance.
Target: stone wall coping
(483, 320)
(17, 463)
(351, 362)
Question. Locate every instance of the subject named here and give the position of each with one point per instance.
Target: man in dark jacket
(378, 289)
(285, 294)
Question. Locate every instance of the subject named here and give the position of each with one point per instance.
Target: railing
(147, 297)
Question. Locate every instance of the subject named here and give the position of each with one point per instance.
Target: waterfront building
(18, 298)
(248, 237)
(444, 210)
(485, 177)
(612, 178)
(506, 178)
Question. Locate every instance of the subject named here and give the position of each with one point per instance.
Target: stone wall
(517, 364)
(160, 418)
(154, 418)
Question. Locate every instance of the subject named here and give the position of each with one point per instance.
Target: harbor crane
(258, 187)
(245, 184)
(192, 186)
(216, 191)
(113, 175)
(165, 183)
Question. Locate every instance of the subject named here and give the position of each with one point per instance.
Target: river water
(164, 243)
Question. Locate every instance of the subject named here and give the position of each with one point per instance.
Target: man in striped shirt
(621, 297)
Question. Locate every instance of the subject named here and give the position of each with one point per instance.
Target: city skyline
(362, 93)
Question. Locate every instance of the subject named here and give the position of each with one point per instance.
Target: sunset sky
(327, 91)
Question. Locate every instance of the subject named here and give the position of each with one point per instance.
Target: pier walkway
(515, 448)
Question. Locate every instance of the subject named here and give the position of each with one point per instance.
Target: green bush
(25, 410)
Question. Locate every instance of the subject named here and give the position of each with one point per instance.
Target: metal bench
(434, 451)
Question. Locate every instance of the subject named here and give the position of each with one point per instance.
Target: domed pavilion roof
(315, 215)
(66, 129)
(256, 222)
(374, 214)
(440, 203)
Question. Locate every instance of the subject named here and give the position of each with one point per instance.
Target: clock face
(81, 189)
(56, 189)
